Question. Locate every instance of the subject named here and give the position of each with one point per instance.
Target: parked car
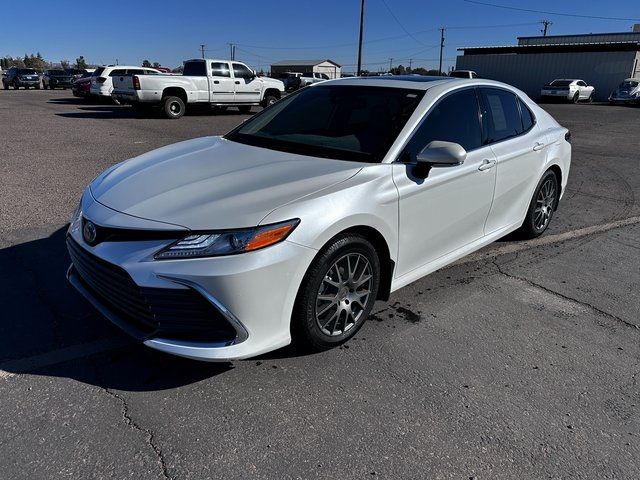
(56, 79)
(102, 80)
(75, 73)
(573, 90)
(291, 80)
(463, 74)
(82, 86)
(312, 77)
(627, 92)
(219, 83)
(295, 222)
(21, 77)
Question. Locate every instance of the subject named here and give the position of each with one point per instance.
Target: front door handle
(237, 82)
(486, 164)
(538, 146)
(217, 82)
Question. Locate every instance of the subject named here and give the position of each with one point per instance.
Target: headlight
(213, 244)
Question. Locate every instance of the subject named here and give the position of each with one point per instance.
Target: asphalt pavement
(520, 361)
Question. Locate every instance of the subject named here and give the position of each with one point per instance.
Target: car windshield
(561, 83)
(26, 71)
(629, 84)
(342, 122)
(57, 72)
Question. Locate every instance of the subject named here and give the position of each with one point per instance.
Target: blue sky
(269, 30)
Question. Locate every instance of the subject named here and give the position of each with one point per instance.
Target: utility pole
(545, 24)
(202, 45)
(410, 63)
(359, 71)
(441, 48)
(390, 64)
(232, 51)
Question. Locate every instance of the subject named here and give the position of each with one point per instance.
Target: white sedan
(573, 90)
(291, 226)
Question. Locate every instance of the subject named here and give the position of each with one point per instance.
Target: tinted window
(195, 69)
(98, 72)
(135, 71)
(220, 69)
(561, 83)
(527, 116)
(342, 122)
(500, 114)
(453, 119)
(240, 71)
(26, 71)
(118, 71)
(57, 72)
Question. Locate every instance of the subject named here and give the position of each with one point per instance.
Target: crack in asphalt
(133, 424)
(564, 297)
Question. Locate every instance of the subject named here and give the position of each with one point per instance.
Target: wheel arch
(175, 92)
(272, 91)
(555, 168)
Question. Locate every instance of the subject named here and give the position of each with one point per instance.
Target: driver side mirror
(439, 154)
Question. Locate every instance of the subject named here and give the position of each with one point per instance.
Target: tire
(269, 100)
(4, 84)
(44, 85)
(173, 107)
(576, 98)
(590, 99)
(543, 203)
(244, 108)
(37, 87)
(26, 87)
(327, 301)
(15, 86)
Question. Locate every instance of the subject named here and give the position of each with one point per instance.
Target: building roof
(554, 48)
(302, 63)
(575, 35)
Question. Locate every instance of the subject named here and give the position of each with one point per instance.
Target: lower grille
(180, 314)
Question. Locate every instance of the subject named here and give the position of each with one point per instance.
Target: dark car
(291, 80)
(82, 85)
(56, 79)
(75, 73)
(20, 77)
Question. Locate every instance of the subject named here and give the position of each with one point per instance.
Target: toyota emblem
(89, 232)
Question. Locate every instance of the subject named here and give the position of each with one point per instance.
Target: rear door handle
(216, 82)
(237, 82)
(486, 164)
(538, 146)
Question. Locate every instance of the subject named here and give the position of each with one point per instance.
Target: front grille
(180, 314)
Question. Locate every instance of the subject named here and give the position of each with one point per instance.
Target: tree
(64, 63)
(156, 65)
(146, 63)
(81, 63)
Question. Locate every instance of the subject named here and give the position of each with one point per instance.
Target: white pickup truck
(219, 83)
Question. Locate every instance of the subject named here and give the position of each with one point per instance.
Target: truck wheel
(173, 107)
(244, 108)
(268, 101)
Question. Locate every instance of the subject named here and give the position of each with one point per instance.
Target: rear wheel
(337, 293)
(590, 99)
(543, 204)
(576, 98)
(173, 107)
(244, 108)
(269, 100)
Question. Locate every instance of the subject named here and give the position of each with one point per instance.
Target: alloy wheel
(343, 294)
(545, 204)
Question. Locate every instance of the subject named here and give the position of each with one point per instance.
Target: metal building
(331, 68)
(601, 59)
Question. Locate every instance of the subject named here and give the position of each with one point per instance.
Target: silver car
(291, 226)
(627, 92)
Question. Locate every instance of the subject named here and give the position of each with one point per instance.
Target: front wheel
(590, 99)
(337, 293)
(543, 204)
(173, 107)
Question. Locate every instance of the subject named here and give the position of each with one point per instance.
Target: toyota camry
(289, 227)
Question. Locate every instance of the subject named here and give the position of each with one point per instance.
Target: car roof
(417, 82)
(112, 67)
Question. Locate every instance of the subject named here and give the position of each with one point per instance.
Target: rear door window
(220, 69)
(195, 69)
(528, 119)
(117, 71)
(501, 114)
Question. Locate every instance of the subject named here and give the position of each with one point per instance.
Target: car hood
(212, 183)
(272, 82)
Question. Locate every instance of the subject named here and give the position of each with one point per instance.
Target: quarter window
(117, 72)
(527, 116)
(500, 114)
(220, 69)
(453, 119)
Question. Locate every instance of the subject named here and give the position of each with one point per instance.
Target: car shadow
(123, 111)
(48, 329)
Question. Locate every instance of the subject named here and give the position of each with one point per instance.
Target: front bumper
(255, 291)
(626, 99)
(27, 83)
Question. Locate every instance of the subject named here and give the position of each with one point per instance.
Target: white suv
(102, 81)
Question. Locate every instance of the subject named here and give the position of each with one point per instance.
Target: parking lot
(521, 361)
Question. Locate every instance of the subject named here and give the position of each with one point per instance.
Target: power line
(400, 24)
(596, 17)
